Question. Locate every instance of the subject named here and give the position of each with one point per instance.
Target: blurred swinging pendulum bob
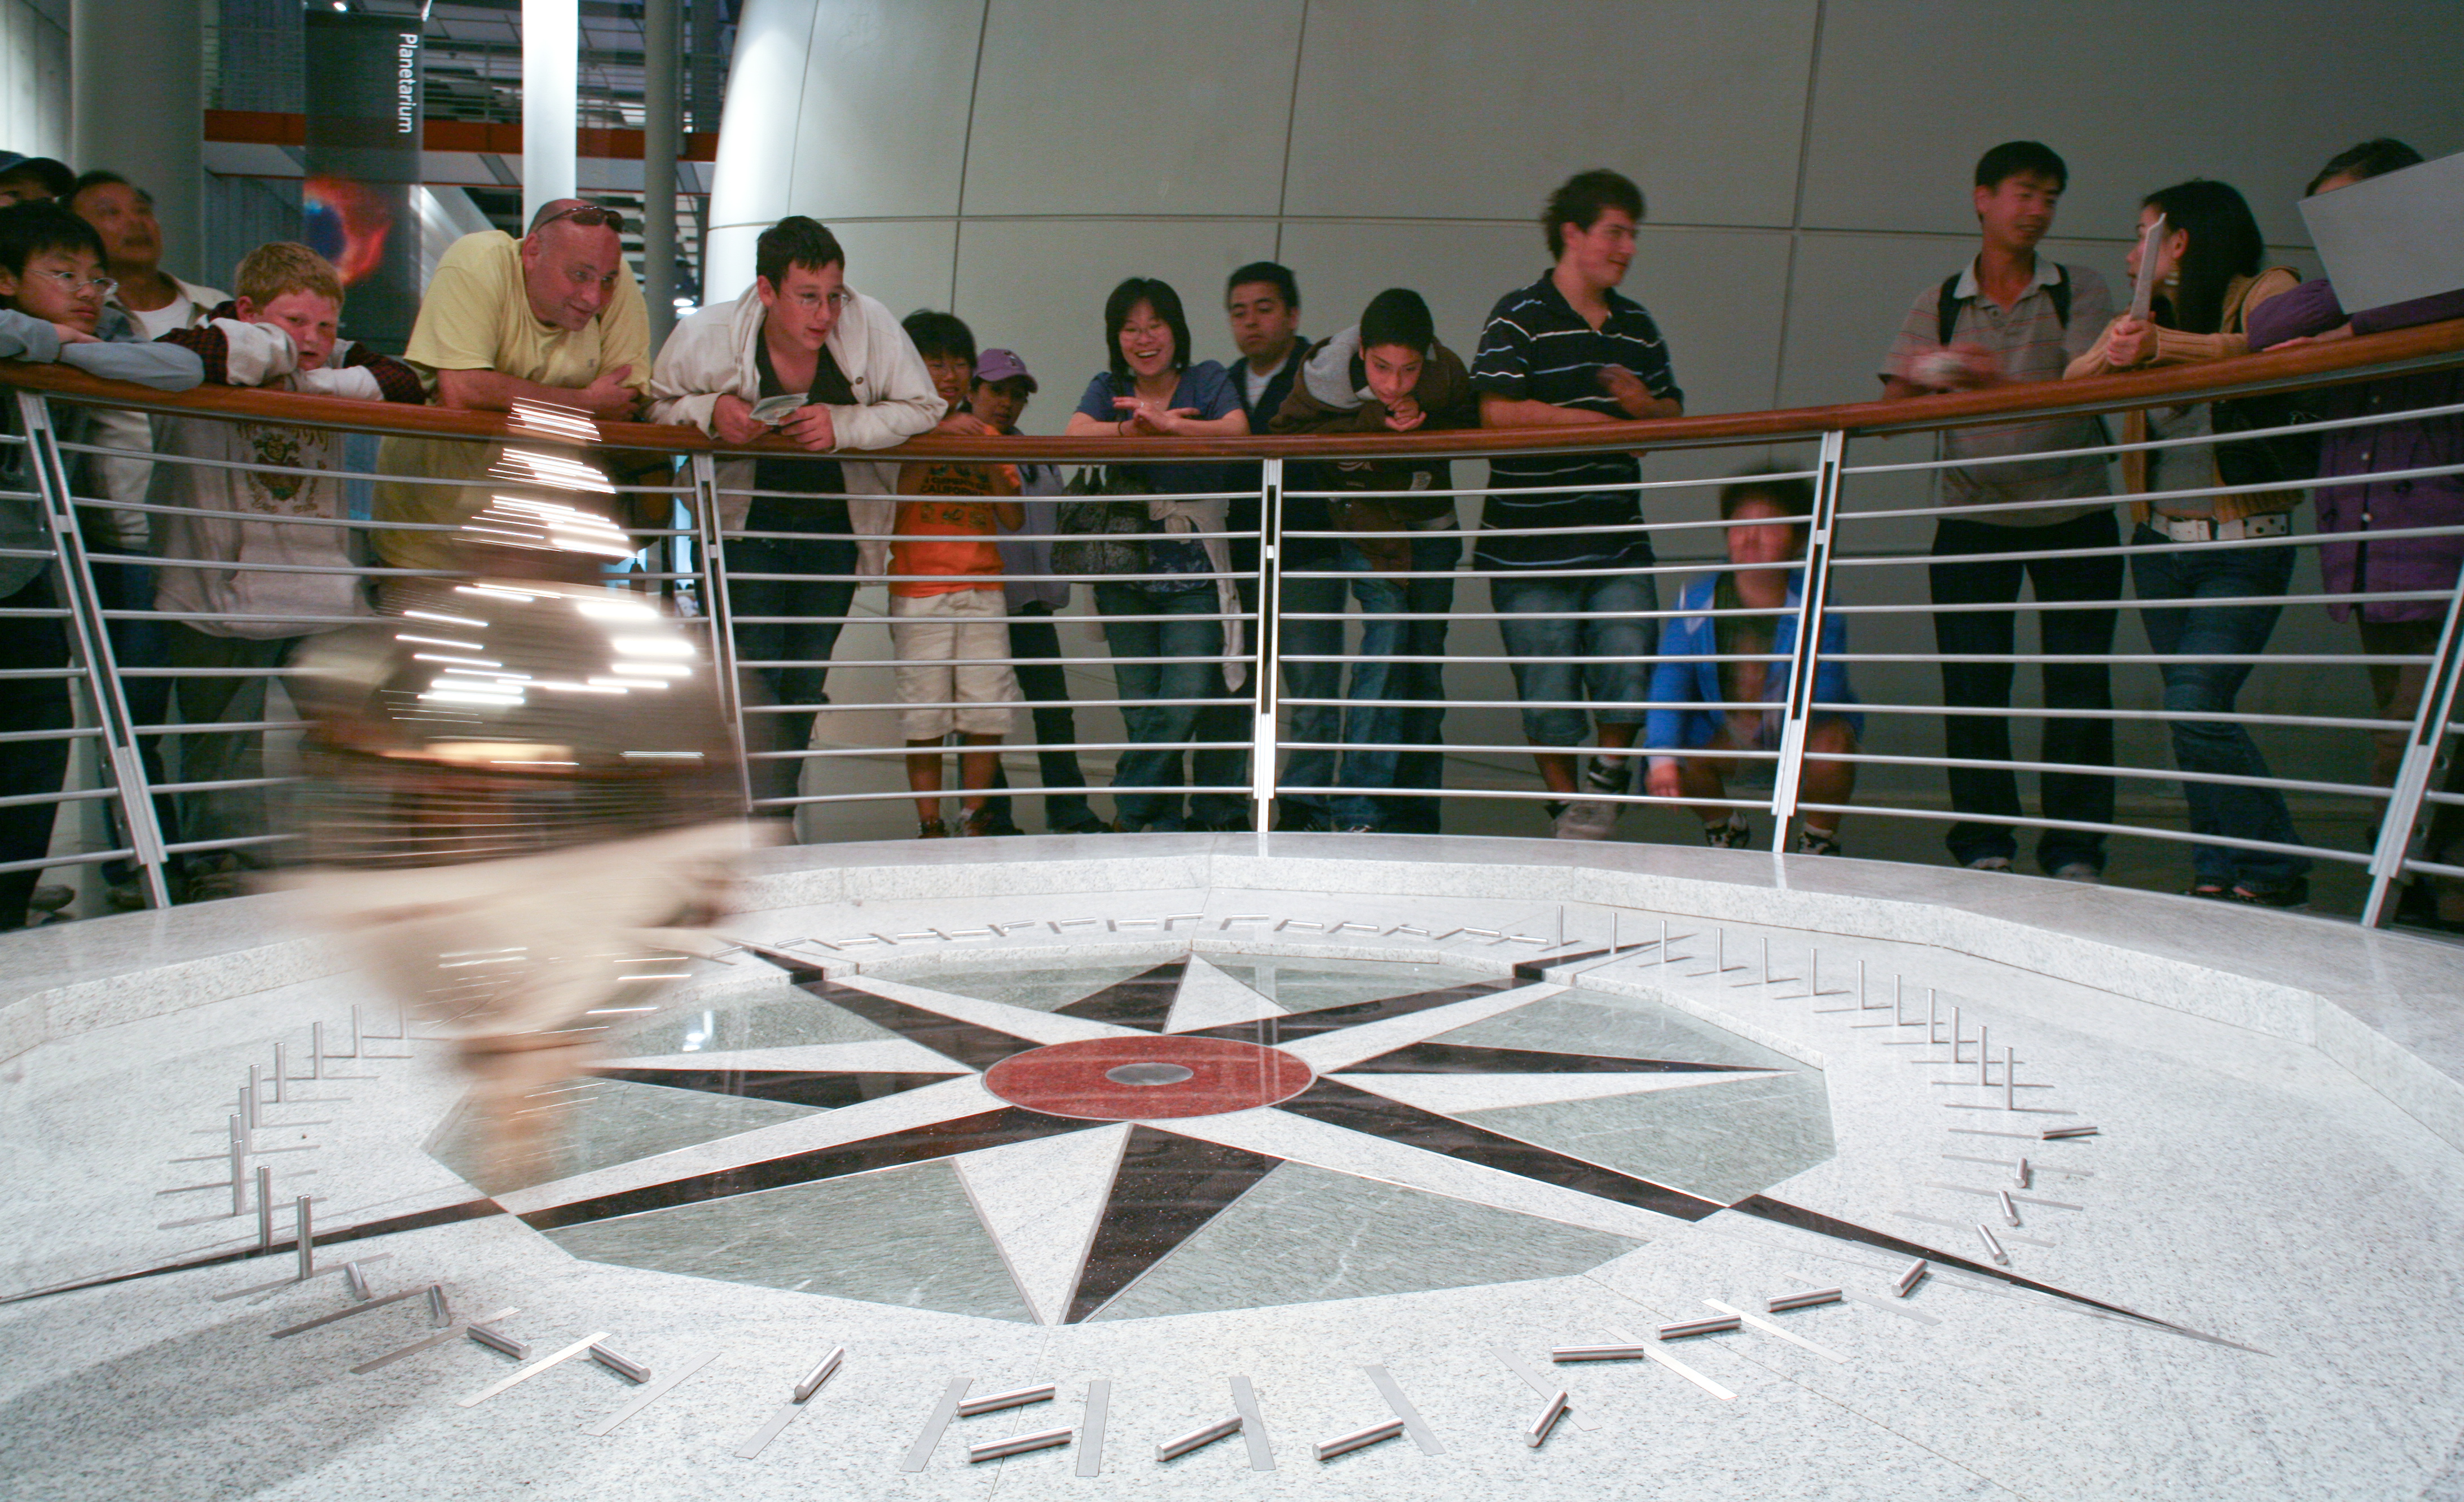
(522, 797)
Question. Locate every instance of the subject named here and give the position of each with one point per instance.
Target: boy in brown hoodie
(1386, 374)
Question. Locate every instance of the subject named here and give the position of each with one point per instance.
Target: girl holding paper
(2197, 268)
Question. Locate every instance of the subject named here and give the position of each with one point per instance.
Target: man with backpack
(2011, 316)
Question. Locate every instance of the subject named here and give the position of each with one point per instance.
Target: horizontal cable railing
(1336, 720)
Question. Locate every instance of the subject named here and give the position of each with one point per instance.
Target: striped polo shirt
(1536, 347)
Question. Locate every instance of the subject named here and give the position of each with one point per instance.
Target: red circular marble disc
(1070, 1080)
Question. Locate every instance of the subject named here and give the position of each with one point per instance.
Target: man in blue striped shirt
(1566, 351)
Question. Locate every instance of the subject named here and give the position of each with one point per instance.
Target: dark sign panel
(361, 196)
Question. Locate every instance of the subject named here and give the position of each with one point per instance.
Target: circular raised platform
(1322, 1131)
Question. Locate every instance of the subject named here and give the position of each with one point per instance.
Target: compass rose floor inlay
(1317, 1131)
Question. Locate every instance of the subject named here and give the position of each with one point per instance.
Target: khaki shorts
(935, 636)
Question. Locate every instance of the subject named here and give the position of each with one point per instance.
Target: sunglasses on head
(590, 216)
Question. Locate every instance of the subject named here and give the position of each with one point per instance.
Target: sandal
(932, 830)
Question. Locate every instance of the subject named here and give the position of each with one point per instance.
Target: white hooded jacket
(712, 354)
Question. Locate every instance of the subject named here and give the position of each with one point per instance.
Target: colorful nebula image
(347, 221)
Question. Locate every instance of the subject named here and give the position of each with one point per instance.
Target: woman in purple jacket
(2352, 506)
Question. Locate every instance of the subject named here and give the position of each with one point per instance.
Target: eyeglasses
(102, 287)
(838, 300)
(590, 216)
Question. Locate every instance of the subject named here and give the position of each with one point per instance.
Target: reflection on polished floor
(1201, 1133)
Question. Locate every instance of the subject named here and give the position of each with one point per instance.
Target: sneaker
(983, 826)
(1610, 775)
(1301, 818)
(932, 830)
(2079, 871)
(1359, 828)
(1219, 826)
(51, 898)
(2000, 863)
(1818, 842)
(1084, 823)
(1586, 819)
(2294, 894)
(1733, 836)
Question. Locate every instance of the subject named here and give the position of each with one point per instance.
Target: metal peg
(1359, 1439)
(624, 1366)
(2010, 1082)
(358, 1282)
(2057, 1134)
(1597, 1352)
(495, 1339)
(811, 1381)
(255, 1093)
(1910, 1276)
(1806, 1300)
(1041, 1438)
(317, 1050)
(1712, 1326)
(264, 1208)
(281, 1070)
(1984, 1070)
(1015, 1398)
(239, 1167)
(1198, 1438)
(1993, 1246)
(2024, 1176)
(440, 1313)
(1539, 1433)
(307, 1240)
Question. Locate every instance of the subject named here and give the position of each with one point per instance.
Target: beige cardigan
(2175, 347)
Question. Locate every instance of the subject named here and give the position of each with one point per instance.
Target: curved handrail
(2366, 356)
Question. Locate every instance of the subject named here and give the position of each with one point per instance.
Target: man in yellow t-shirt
(555, 316)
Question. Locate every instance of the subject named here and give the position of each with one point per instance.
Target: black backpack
(1946, 307)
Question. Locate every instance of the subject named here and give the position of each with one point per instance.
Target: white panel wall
(33, 81)
(1807, 165)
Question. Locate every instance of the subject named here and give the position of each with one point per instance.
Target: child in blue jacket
(1729, 652)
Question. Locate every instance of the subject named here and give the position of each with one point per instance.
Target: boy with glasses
(798, 331)
(52, 307)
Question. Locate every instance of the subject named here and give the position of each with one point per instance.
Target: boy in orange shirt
(948, 623)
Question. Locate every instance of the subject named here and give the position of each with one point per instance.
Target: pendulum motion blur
(524, 801)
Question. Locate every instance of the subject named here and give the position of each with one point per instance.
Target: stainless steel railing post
(1264, 742)
(92, 637)
(2431, 717)
(1788, 772)
(704, 470)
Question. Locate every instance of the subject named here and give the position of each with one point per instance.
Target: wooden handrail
(2368, 356)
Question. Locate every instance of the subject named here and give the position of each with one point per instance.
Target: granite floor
(1456, 1133)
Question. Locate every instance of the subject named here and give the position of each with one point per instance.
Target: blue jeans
(1566, 661)
(2250, 813)
(1369, 717)
(1194, 636)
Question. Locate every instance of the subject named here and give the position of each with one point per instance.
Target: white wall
(1807, 164)
(33, 79)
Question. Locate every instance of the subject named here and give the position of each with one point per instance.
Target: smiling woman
(1166, 611)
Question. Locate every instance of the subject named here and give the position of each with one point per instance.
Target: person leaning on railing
(51, 295)
(1569, 350)
(2352, 506)
(2208, 277)
(1151, 389)
(1715, 654)
(945, 599)
(555, 317)
(280, 333)
(2008, 316)
(1387, 373)
(799, 330)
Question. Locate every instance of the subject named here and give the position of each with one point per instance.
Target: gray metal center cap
(1147, 1074)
